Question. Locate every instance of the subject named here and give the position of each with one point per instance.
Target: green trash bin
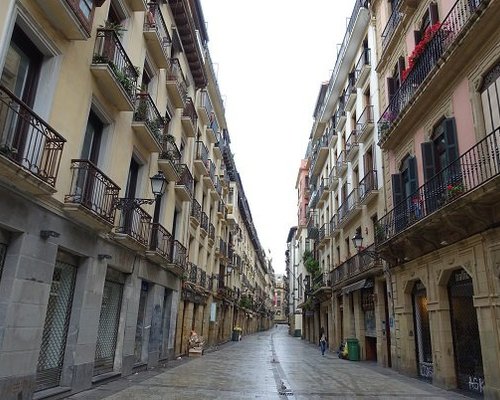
(236, 334)
(353, 349)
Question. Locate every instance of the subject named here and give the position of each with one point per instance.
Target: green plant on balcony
(246, 302)
(113, 26)
(311, 264)
(453, 191)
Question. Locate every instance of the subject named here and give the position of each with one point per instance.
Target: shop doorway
(423, 343)
(465, 331)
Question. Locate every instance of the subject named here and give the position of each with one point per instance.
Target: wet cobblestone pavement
(267, 365)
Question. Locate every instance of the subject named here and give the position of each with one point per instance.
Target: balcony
(92, 197)
(137, 5)
(340, 116)
(115, 75)
(320, 153)
(216, 193)
(324, 189)
(231, 216)
(351, 145)
(392, 26)
(364, 124)
(195, 214)
(222, 248)
(213, 131)
(430, 63)
(356, 269)
(321, 286)
(192, 273)
(156, 34)
(189, 118)
(341, 163)
(211, 234)
(30, 149)
(351, 92)
(181, 11)
(67, 17)
(176, 83)
(148, 123)
(334, 178)
(205, 108)
(201, 158)
(368, 187)
(169, 158)
(312, 230)
(332, 134)
(160, 245)
(221, 210)
(458, 202)
(324, 234)
(178, 262)
(363, 67)
(334, 226)
(134, 225)
(349, 208)
(209, 177)
(204, 225)
(184, 187)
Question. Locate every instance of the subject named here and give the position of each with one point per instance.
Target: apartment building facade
(346, 184)
(115, 185)
(439, 129)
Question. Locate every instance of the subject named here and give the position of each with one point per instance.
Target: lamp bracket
(131, 203)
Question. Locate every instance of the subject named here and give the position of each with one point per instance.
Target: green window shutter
(429, 160)
(412, 175)
(397, 189)
(450, 134)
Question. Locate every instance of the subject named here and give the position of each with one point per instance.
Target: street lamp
(357, 240)
(158, 184)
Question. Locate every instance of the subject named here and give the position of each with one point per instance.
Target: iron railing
(334, 221)
(186, 178)
(170, 150)
(179, 255)
(341, 161)
(351, 142)
(211, 169)
(189, 111)
(324, 231)
(211, 231)
(153, 21)
(451, 27)
(203, 279)
(365, 118)
(368, 184)
(109, 50)
(472, 169)
(355, 265)
(351, 87)
(27, 140)
(161, 241)
(222, 247)
(202, 152)
(133, 221)
(174, 73)
(93, 190)
(364, 60)
(206, 103)
(196, 210)
(348, 205)
(392, 24)
(192, 273)
(204, 221)
(147, 113)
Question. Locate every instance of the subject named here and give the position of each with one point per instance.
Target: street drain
(287, 392)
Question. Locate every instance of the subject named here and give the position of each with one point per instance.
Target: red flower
(449, 187)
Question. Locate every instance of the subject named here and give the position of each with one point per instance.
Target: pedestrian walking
(322, 344)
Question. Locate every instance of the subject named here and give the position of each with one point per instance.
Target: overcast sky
(271, 57)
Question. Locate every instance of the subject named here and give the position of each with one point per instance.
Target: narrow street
(267, 365)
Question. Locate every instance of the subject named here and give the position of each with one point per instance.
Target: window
(92, 139)
(490, 95)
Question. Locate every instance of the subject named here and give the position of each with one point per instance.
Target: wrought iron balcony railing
(192, 272)
(354, 266)
(161, 241)
(190, 111)
(447, 34)
(202, 152)
(324, 231)
(211, 231)
(27, 140)
(196, 210)
(133, 221)
(211, 170)
(174, 73)
(367, 185)
(146, 112)
(204, 221)
(186, 179)
(170, 150)
(203, 279)
(179, 255)
(351, 143)
(364, 60)
(206, 103)
(392, 24)
(365, 118)
(348, 205)
(472, 169)
(153, 20)
(109, 50)
(93, 190)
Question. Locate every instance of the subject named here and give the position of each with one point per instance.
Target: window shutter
(397, 189)
(433, 13)
(417, 36)
(412, 174)
(401, 65)
(391, 87)
(450, 134)
(428, 159)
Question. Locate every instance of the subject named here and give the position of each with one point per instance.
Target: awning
(363, 283)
